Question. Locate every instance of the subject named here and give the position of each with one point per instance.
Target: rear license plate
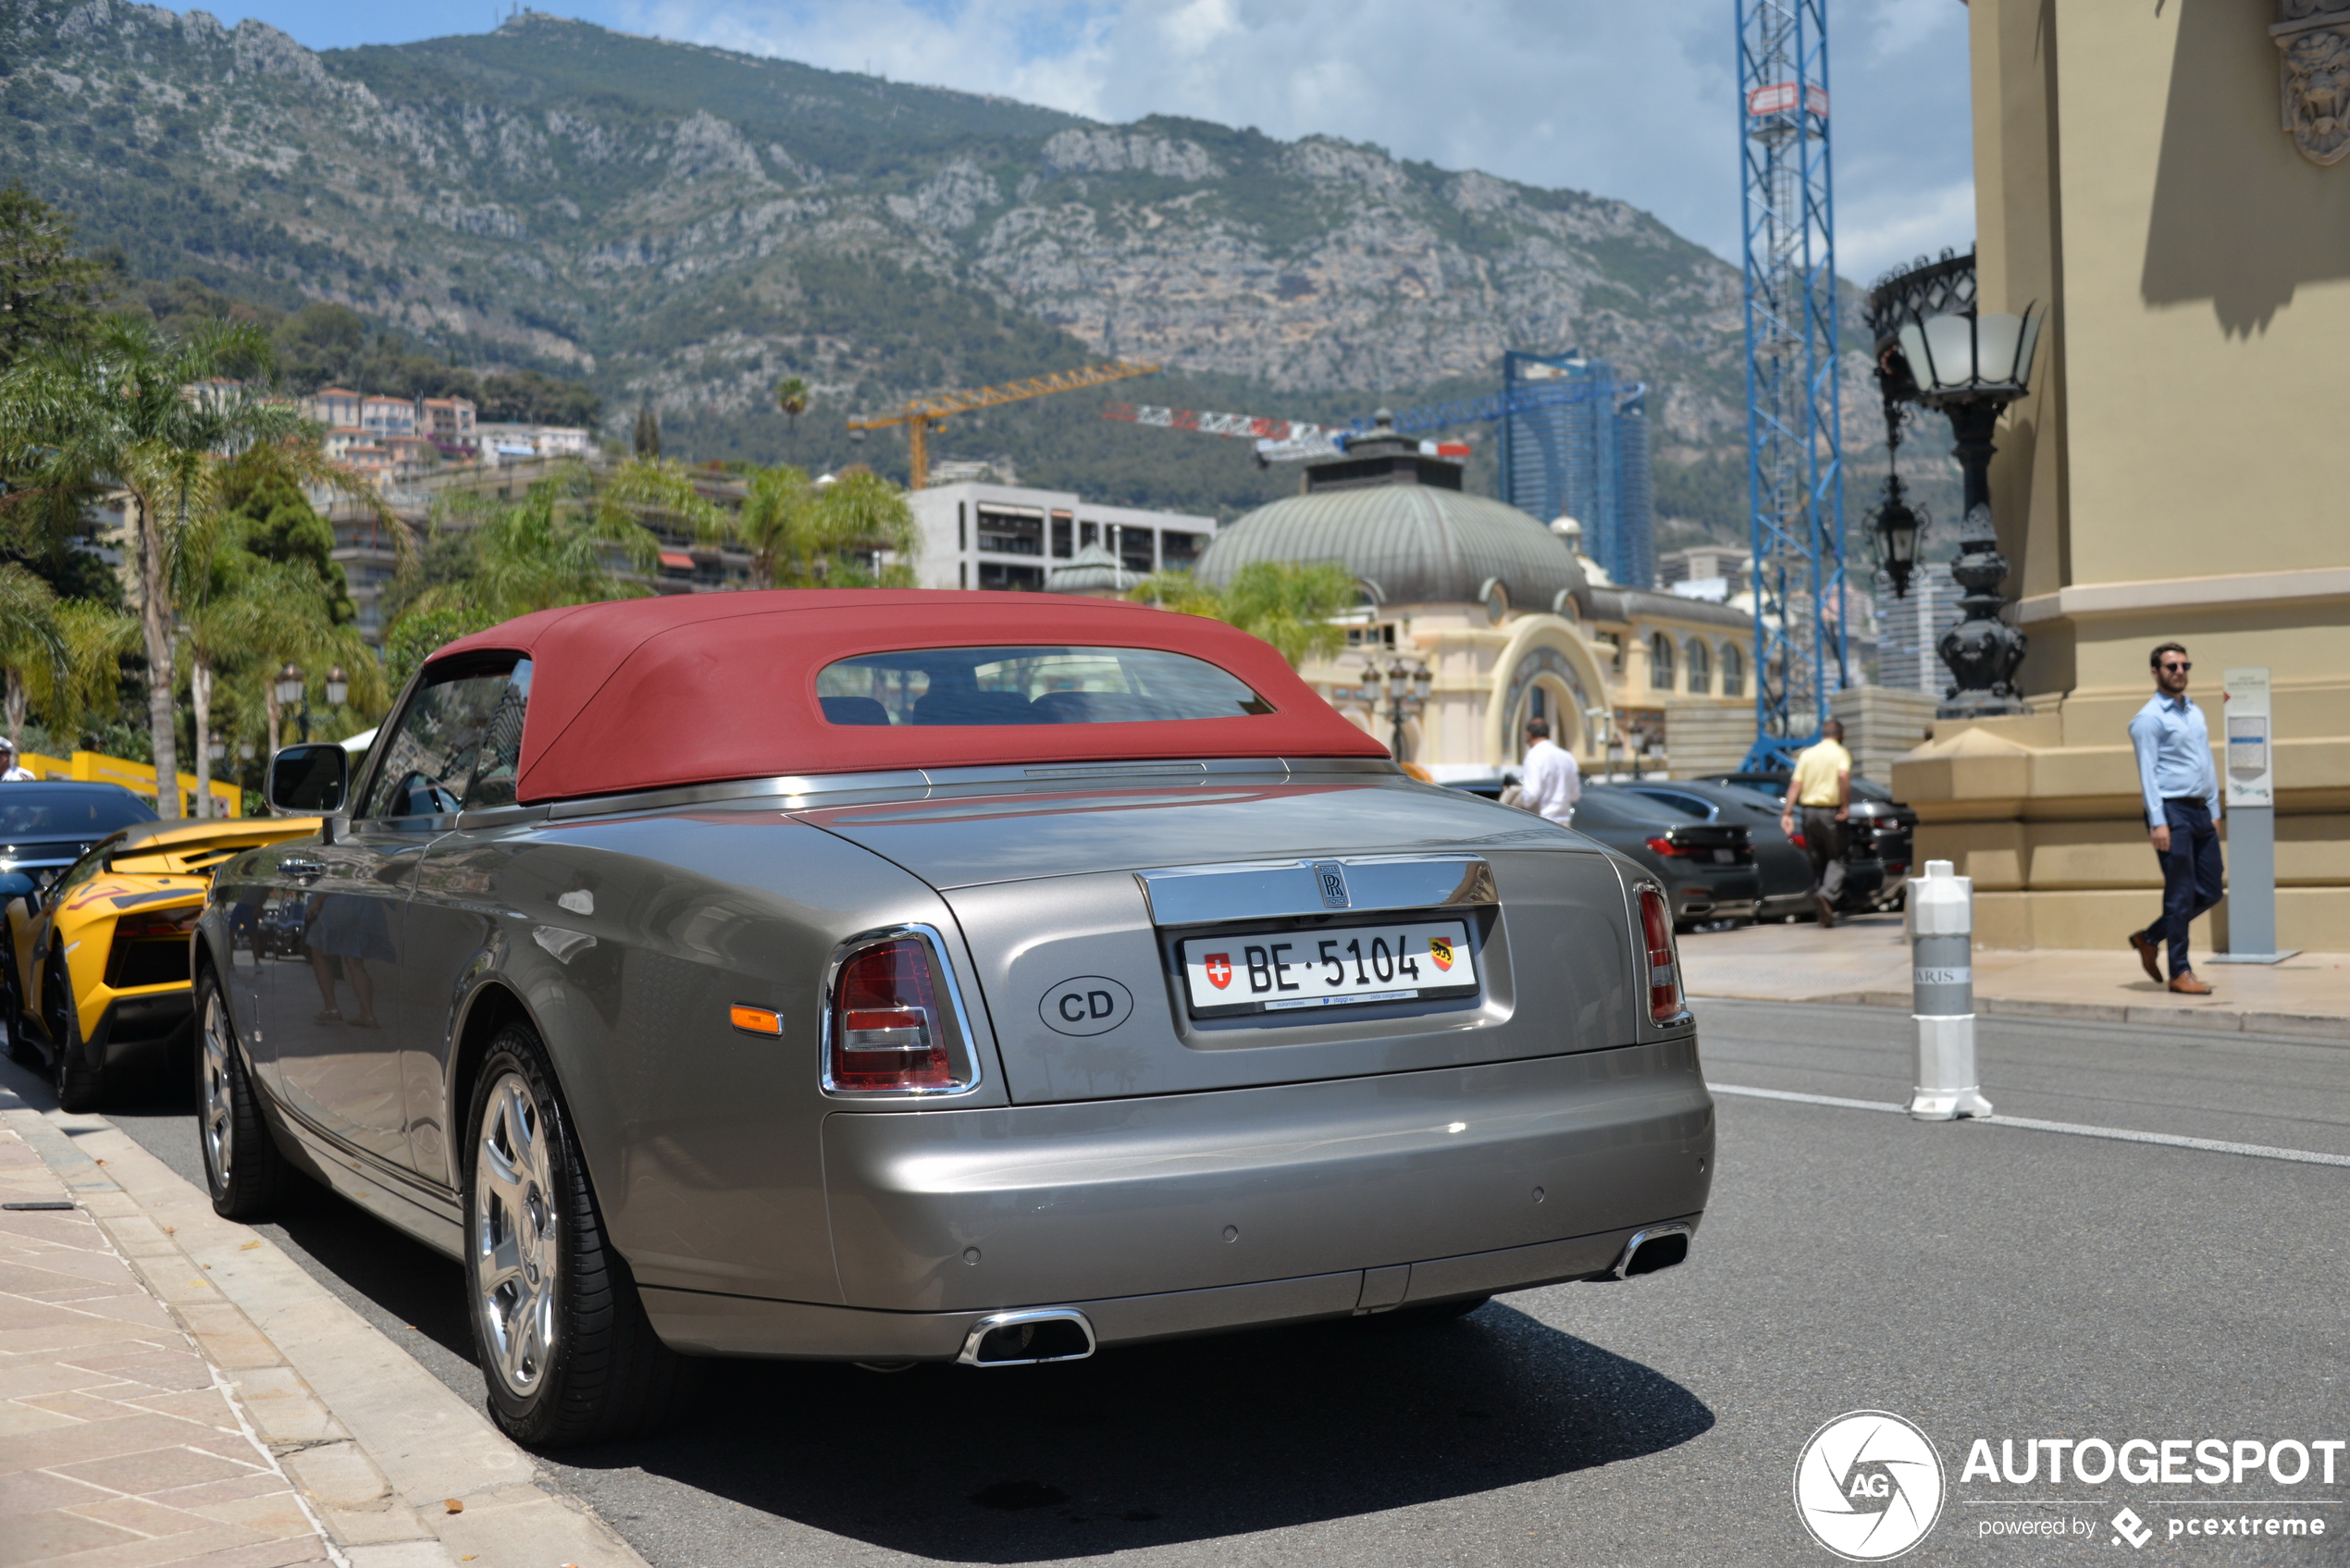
(1725, 857)
(1279, 971)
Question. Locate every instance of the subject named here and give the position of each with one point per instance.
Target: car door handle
(302, 869)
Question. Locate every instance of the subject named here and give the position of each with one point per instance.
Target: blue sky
(1628, 98)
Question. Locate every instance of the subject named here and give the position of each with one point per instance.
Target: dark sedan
(1882, 828)
(1708, 867)
(1786, 869)
(46, 827)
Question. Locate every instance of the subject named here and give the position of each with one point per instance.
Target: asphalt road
(1983, 1281)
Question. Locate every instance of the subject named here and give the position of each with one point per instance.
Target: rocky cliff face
(688, 225)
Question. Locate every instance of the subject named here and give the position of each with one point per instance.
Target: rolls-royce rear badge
(1331, 877)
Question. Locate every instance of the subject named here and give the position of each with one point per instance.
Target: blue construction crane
(1795, 455)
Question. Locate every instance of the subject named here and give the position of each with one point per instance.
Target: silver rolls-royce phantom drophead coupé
(891, 977)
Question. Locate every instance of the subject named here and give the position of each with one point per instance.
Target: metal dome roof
(1418, 544)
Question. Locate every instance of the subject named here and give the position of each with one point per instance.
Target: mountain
(684, 226)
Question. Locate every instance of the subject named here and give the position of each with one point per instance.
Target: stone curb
(2331, 1027)
(401, 1472)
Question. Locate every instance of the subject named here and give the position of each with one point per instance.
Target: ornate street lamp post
(292, 689)
(1408, 683)
(1970, 367)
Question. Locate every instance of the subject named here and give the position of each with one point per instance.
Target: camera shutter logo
(1869, 1486)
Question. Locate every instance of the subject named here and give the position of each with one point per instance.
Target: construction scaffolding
(1794, 450)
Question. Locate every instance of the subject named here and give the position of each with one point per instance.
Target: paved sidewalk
(1867, 960)
(118, 1445)
(227, 1386)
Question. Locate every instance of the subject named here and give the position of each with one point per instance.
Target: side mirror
(15, 885)
(309, 781)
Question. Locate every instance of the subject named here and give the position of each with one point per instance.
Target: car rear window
(1030, 686)
(36, 810)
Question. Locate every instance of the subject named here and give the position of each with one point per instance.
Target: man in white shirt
(9, 771)
(1549, 781)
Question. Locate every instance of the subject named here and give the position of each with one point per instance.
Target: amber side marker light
(756, 1020)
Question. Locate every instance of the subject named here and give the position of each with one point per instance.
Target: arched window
(1701, 667)
(1733, 671)
(1661, 660)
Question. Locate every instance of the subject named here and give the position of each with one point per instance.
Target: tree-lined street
(1983, 1282)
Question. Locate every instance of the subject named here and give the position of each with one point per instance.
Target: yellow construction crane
(924, 415)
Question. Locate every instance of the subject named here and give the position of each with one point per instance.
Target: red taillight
(1664, 963)
(1667, 847)
(887, 1030)
(161, 922)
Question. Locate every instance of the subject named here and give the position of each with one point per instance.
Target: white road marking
(2121, 1134)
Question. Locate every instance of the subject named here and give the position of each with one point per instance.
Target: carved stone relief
(2314, 38)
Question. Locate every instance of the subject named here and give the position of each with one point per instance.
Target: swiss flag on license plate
(1219, 969)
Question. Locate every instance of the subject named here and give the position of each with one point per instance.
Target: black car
(1881, 828)
(1778, 856)
(46, 827)
(1706, 868)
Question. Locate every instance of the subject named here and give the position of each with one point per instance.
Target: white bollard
(1939, 916)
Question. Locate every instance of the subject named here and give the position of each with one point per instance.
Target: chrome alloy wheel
(219, 1110)
(513, 1234)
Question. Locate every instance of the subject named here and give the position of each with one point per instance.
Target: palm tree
(31, 647)
(124, 416)
(844, 532)
(1292, 605)
(279, 615)
(83, 689)
(791, 396)
(560, 543)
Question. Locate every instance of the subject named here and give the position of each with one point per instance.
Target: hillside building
(984, 536)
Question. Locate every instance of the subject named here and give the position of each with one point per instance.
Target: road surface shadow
(1154, 1445)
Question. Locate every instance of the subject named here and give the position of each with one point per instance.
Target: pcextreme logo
(1868, 1486)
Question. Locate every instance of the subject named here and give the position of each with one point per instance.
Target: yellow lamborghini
(96, 976)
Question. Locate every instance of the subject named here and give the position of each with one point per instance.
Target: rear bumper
(736, 1326)
(1183, 1214)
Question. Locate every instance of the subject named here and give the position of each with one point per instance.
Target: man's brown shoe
(1826, 910)
(2145, 948)
(2187, 985)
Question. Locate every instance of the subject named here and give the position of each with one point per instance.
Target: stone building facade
(2167, 184)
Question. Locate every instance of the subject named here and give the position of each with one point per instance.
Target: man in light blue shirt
(2182, 794)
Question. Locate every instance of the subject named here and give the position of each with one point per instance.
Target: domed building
(1510, 620)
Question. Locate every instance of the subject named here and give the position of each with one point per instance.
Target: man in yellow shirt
(1822, 789)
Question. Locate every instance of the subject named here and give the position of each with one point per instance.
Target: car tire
(79, 1086)
(559, 1330)
(243, 1170)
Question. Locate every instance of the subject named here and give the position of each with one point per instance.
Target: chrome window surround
(993, 1321)
(1640, 954)
(801, 791)
(945, 970)
(1185, 895)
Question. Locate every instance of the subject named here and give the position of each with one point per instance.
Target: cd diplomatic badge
(1868, 1486)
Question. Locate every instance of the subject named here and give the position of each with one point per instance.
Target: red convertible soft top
(694, 688)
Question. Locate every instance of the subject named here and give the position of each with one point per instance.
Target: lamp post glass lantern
(294, 688)
(338, 686)
(1970, 366)
(1408, 684)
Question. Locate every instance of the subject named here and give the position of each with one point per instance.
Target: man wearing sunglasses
(2181, 793)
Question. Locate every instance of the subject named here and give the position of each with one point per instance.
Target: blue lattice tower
(1794, 450)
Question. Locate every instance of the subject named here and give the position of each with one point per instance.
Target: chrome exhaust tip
(1028, 1339)
(1654, 1247)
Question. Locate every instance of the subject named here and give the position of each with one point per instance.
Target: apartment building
(984, 535)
